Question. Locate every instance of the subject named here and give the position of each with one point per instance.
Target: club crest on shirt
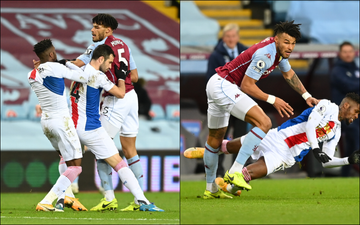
(321, 110)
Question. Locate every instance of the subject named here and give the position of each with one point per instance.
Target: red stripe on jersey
(33, 74)
(296, 139)
(74, 111)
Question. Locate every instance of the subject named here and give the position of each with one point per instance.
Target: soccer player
(227, 93)
(116, 114)
(290, 142)
(47, 81)
(86, 116)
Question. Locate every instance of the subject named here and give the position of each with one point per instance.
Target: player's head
(231, 35)
(45, 51)
(286, 35)
(349, 108)
(103, 57)
(103, 26)
(347, 52)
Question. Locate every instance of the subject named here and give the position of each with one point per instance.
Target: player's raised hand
(311, 101)
(36, 63)
(283, 107)
(321, 156)
(354, 158)
(122, 71)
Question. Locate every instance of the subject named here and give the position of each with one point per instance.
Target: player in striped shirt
(85, 113)
(287, 144)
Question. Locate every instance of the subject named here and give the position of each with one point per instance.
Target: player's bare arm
(79, 63)
(293, 80)
(248, 85)
(134, 76)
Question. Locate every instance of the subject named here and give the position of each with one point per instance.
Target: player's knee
(265, 124)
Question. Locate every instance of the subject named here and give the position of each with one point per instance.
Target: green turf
(290, 201)
(19, 208)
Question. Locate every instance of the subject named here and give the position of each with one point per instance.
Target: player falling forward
(86, 117)
(47, 81)
(225, 98)
(290, 142)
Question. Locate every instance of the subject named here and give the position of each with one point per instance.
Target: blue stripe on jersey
(303, 117)
(54, 84)
(302, 154)
(92, 108)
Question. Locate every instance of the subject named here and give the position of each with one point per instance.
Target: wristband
(271, 99)
(306, 95)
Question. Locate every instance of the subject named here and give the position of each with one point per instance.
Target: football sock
(129, 180)
(105, 174)
(58, 190)
(211, 159)
(62, 165)
(135, 166)
(223, 147)
(251, 142)
(246, 174)
(109, 195)
(69, 192)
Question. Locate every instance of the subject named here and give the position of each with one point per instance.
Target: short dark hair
(353, 96)
(289, 28)
(102, 50)
(106, 20)
(344, 44)
(42, 46)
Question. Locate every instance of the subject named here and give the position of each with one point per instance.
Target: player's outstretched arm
(293, 80)
(248, 86)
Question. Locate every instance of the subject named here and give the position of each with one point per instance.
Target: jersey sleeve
(72, 72)
(259, 64)
(284, 65)
(132, 61)
(105, 82)
(87, 55)
(318, 113)
(329, 147)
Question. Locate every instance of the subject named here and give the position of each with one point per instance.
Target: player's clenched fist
(122, 71)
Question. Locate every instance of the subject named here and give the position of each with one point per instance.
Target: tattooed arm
(293, 80)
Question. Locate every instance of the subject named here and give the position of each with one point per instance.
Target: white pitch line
(102, 219)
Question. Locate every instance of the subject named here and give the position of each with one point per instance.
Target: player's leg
(70, 149)
(248, 110)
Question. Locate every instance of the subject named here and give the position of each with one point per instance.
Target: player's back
(293, 131)
(48, 84)
(122, 54)
(85, 99)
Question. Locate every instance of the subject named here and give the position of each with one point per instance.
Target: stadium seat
(173, 111)
(157, 111)
(14, 112)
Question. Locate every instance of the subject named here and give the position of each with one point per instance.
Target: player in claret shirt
(228, 93)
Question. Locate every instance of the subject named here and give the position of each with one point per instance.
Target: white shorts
(276, 153)
(225, 98)
(121, 115)
(62, 134)
(98, 142)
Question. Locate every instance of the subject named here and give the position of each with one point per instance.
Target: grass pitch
(290, 201)
(19, 208)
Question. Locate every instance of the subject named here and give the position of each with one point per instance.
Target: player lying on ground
(48, 84)
(290, 142)
(86, 117)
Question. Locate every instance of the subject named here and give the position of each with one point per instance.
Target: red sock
(246, 174)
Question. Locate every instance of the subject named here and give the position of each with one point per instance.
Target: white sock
(129, 180)
(69, 192)
(58, 190)
(109, 195)
(211, 187)
(236, 167)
